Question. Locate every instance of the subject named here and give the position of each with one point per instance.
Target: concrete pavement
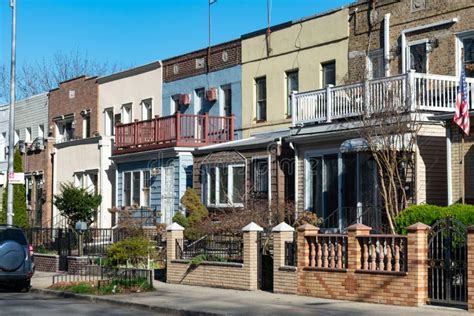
(182, 299)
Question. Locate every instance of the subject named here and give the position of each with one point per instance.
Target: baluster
(325, 254)
(397, 258)
(373, 258)
(333, 255)
(365, 265)
(382, 256)
(339, 255)
(389, 257)
(312, 253)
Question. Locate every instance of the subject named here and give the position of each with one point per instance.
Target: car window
(13, 234)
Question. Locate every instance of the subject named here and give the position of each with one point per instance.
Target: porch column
(418, 261)
(354, 251)
(470, 268)
(251, 253)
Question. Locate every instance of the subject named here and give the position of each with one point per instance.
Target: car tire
(23, 286)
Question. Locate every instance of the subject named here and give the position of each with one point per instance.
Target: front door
(167, 194)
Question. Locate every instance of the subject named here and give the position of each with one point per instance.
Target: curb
(108, 300)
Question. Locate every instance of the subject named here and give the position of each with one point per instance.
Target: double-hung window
(260, 172)
(224, 185)
(136, 188)
(291, 85)
(147, 111)
(329, 73)
(109, 122)
(261, 98)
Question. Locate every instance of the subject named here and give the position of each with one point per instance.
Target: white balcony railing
(411, 91)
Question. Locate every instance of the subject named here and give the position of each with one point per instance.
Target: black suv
(16, 258)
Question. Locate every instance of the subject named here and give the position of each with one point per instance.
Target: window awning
(223, 157)
(397, 142)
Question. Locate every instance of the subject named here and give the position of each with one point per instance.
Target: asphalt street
(33, 304)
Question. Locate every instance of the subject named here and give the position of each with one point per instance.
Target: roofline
(287, 24)
(236, 40)
(130, 72)
(72, 79)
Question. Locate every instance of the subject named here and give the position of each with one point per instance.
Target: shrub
(196, 212)
(131, 251)
(181, 220)
(429, 214)
(307, 218)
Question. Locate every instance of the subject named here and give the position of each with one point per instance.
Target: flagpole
(463, 190)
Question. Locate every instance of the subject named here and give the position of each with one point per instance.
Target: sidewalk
(183, 299)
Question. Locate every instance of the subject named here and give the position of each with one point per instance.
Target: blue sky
(134, 32)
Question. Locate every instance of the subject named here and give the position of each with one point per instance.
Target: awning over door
(397, 142)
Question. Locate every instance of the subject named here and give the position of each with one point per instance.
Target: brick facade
(441, 60)
(71, 98)
(46, 262)
(77, 264)
(222, 56)
(284, 277)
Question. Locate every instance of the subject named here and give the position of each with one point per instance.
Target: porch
(407, 92)
(178, 130)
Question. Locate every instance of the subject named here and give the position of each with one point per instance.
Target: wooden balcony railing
(411, 91)
(179, 130)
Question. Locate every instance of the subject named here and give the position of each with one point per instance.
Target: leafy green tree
(20, 217)
(196, 213)
(77, 204)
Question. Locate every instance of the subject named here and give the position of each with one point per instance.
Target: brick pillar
(251, 253)
(304, 231)
(353, 248)
(281, 234)
(173, 232)
(418, 261)
(470, 268)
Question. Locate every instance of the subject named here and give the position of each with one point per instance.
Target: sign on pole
(16, 178)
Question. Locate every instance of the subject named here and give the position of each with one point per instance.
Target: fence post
(205, 128)
(294, 117)
(178, 126)
(173, 232)
(251, 253)
(353, 248)
(411, 90)
(304, 231)
(282, 233)
(418, 261)
(470, 268)
(328, 103)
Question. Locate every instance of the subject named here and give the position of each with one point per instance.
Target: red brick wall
(186, 64)
(46, 262)
(86, 97)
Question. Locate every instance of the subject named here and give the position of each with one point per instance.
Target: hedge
(429, 214)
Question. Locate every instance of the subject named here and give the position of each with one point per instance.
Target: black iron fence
(290, 253)
(101, 273)
(226, 248)
(372, 216)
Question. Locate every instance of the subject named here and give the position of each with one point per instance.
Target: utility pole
(11, 130)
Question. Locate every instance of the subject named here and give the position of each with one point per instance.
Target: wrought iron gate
(266, 262)
(447, 270)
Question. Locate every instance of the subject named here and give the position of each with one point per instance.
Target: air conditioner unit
(211, 94)
(185, 99)
(22, 146)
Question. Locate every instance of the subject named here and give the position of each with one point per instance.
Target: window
(329, 73)
(86, 126)
(376, 64)
(65, 131)
(418, 57)
(28, 134)
(261, 98)
(146, 188)
(225, 185)
(468, 53)
(29, 189)
(324, 185)
(291, 85)
(260, 173)
(147, 112)
(127, 113)
(127, 189)
(175, 103)
(199, 101)
(79, 180)
(17, 136)
(136, 188)
(227, 94)
(41, 131)
(109, 122)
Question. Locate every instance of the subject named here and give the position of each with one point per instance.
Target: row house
(129, 102)
(200, 95)
(32, 138)
(404, 57)
(258, 170)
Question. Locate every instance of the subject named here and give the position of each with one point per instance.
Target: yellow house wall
(303, 46)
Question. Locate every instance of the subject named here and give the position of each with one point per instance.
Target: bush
(307, 218)
(181, 220)
(131, 251)
(196, 212)
(429, 214)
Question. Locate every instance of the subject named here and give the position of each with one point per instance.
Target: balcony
(179, 130)
(407, 92)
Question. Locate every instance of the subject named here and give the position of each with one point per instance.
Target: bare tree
(45, 74)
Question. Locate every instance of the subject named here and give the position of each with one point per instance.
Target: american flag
(461, 115)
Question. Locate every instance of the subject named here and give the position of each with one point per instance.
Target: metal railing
(386, 253)
(411, 91)
(143, 215)
(339, 219)
(291, 253)
(212, 248)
